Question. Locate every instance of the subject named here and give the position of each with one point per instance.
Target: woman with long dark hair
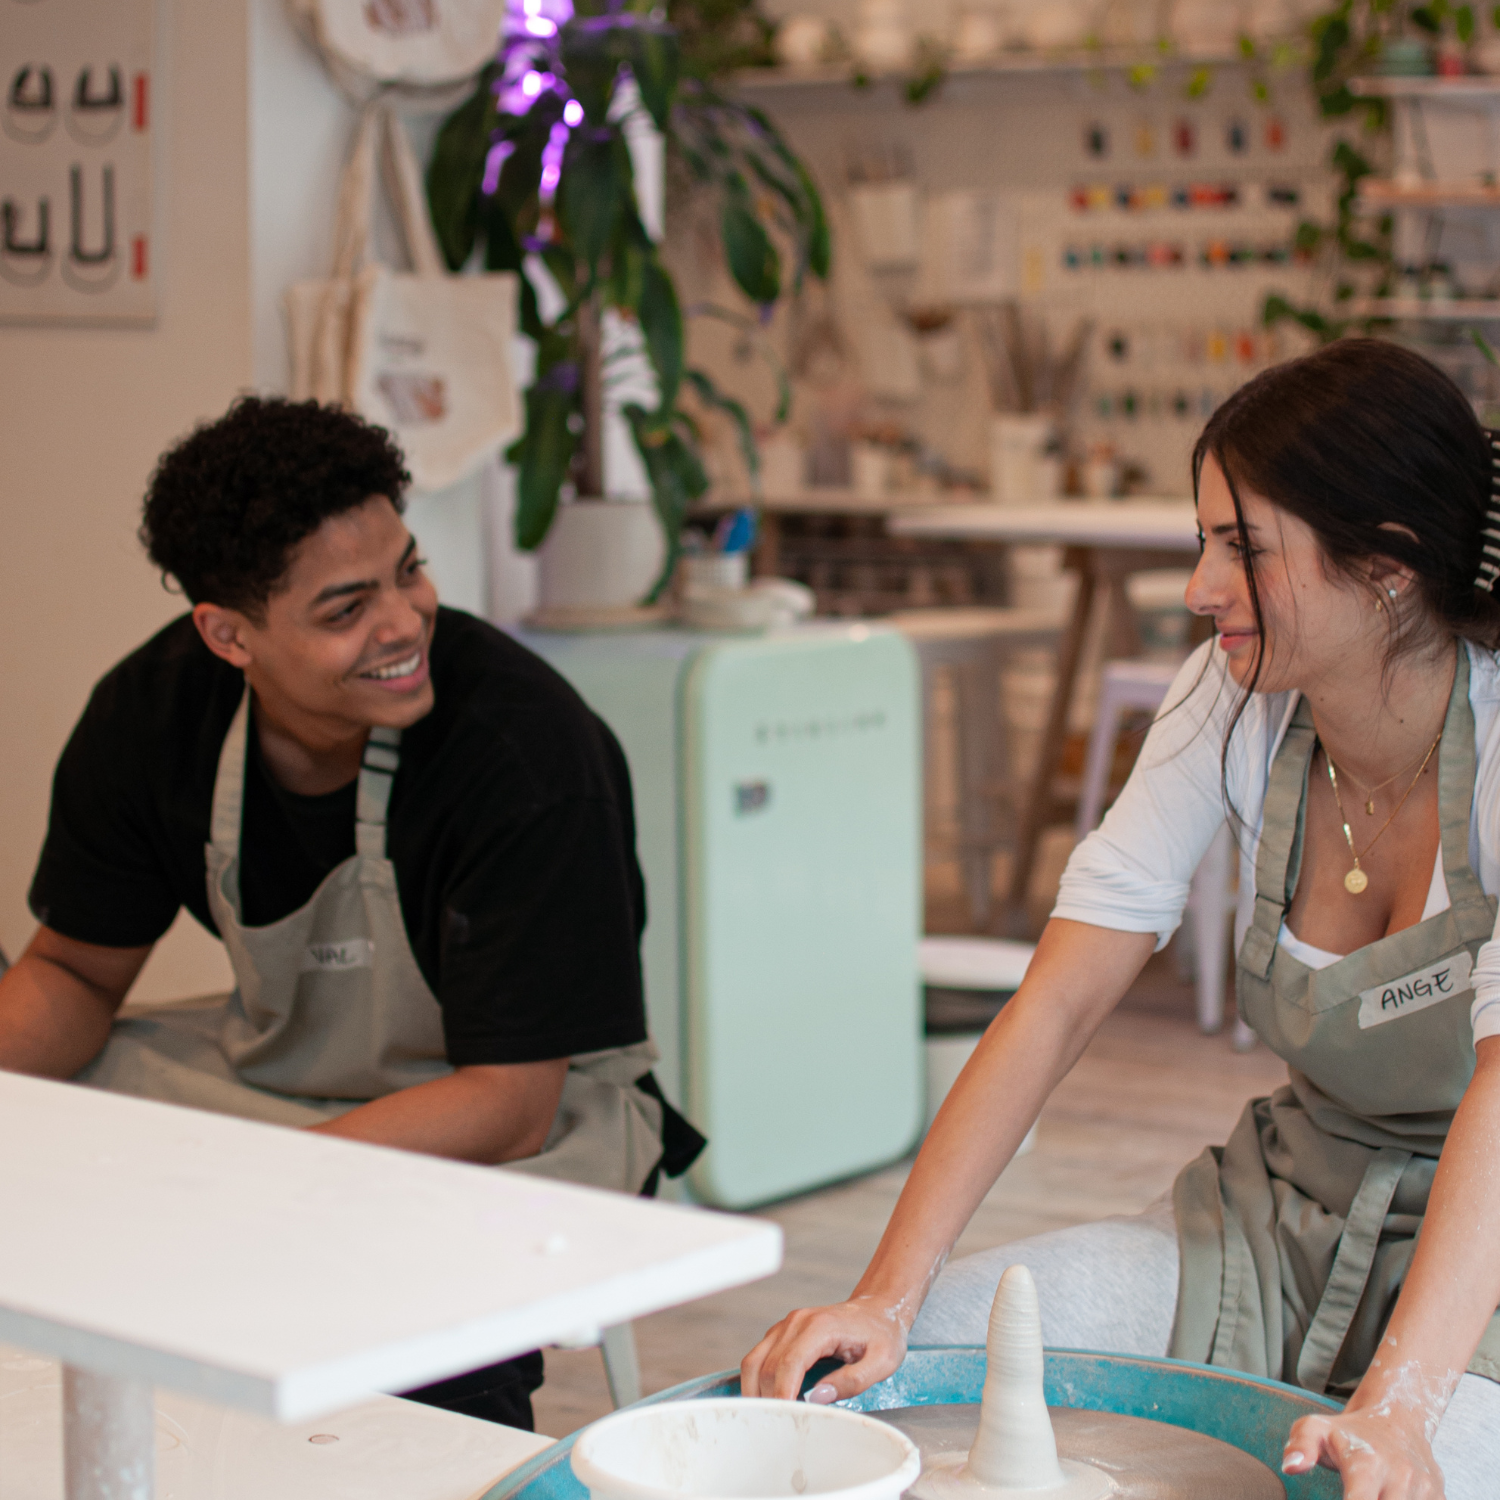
(1346, 719)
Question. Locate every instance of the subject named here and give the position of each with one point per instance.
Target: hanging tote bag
(423, 353)
(427, 50)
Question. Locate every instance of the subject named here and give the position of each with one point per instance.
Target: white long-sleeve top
(1133, 872)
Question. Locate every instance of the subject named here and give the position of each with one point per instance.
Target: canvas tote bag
(423, 353)
(427, 50)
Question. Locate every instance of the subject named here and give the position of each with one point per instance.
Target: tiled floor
(1148, 1094)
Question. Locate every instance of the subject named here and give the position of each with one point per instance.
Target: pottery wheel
(1147, 1460)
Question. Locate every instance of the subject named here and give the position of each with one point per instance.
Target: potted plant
(536, 163)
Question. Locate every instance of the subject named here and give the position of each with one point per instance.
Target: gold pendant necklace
(1369, 792)
(1356, 880)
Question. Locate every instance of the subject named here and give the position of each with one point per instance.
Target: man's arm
(57, 1002)
(489, 1114)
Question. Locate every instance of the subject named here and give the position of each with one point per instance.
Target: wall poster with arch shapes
(76, 121)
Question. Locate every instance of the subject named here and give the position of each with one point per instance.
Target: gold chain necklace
(1356, 880)
(1369, 793)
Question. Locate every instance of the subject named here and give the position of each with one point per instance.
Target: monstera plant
(537, 163)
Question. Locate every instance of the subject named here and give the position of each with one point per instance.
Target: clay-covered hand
(1380, 1454)
(869, 1336)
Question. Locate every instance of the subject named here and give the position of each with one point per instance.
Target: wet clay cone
(1015, 1452)
(1015, 1449)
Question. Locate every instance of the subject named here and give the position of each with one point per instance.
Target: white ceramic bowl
(741, 1449)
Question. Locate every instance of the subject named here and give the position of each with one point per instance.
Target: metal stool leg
(1101, 755)
(622, 1366)
(976, 696)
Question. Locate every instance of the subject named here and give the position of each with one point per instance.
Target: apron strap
(1280, 855)
(1351, 1269)
(229, 784)
(1456, 787)
(377, 774)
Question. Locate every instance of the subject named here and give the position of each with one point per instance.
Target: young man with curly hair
(414, 839)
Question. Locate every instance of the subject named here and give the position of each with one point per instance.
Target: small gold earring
(1379, 605)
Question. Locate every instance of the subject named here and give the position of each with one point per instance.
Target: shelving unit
(1164, 220)
(1454, 310)
(1443, 190)
(1378, 193)
(1002, 64)
(1433, 89)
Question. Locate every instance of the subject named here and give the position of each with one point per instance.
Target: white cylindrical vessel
(742, 1449)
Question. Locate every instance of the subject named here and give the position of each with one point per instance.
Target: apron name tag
(1416, 991)
(352, 953)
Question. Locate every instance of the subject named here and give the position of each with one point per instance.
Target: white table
(382, 1449)
(289, 1274)
(1105, 541)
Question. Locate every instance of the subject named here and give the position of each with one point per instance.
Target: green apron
(1297, 1235)
(330, 1008)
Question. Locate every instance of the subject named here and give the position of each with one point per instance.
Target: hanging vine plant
(537, 163)
(1357, 247)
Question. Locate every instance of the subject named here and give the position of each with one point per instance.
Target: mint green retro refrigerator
(778, 806)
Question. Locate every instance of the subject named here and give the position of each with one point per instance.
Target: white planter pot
(599, 555)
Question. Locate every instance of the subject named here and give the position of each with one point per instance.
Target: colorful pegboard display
(76, 106)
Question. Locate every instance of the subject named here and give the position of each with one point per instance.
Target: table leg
(1038, 804)
(109, 1437)
(768, 549)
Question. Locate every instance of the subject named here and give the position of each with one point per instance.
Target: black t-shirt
(510, 826)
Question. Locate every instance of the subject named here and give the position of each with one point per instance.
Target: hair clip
(1489, 559)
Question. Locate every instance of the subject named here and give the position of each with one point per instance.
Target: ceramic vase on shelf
(596, 564)
(802, 41)
(882, 36)
(1050, 24)
(1206, 28)
(979, 32)
(1018, 454)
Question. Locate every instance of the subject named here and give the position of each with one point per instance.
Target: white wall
(85, 413)
(252, 138)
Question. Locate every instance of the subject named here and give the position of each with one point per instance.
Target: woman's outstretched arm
(1381, 1443)
(1077, 976)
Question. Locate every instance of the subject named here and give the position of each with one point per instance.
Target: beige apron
(330, 1008)
(1296, 1236)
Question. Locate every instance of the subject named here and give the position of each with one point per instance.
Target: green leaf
(1200, 80)
(655, 60)
(1463, 23)
(456, 171)
(819, 245)
(1337, 102)
(712, 396)
(1348, 161)
(543, 455)
(677, 479)
(502, 247)
(1427, 18)
(1331, 39)
(661, 326)
(1483, 345)
(752, 257)
(591, 193)
(591, 52)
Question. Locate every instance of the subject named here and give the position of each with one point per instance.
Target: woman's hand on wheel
(1383, 1453)
(869, 1336)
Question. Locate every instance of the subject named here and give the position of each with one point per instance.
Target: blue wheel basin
(1250, 1414)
